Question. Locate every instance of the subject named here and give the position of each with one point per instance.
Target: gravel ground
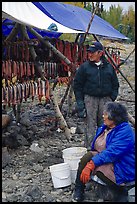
(26, 175)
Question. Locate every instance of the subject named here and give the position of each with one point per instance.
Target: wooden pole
(116, 66)
(131, 119)
(59, 116)
(49, 45)
(126, 58)
(13, 33)
(87, 30)
(89, 25)
(33, 53)
(52, 94)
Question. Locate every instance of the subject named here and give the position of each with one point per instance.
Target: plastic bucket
(74, 151)
(72, 156)
(61, 175)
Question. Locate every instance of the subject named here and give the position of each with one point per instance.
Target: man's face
(94, 56)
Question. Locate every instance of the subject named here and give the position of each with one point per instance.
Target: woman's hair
(116, 112)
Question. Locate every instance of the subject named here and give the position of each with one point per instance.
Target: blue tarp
(8, 25)
(26, 13)
(72, 17)
(78, 18)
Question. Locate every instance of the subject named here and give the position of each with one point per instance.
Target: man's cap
(95, 47)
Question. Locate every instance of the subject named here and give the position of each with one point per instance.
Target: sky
(124, 5)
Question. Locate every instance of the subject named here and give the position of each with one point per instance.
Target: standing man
(95, 83)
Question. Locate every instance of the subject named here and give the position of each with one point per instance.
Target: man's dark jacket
(94, 80)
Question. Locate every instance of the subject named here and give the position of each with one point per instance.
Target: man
(95, 83)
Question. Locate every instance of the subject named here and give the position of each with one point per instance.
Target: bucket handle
(74, 169)
(62, 177)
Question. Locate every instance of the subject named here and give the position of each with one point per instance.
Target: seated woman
(112, 155)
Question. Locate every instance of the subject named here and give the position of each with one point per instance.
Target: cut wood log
(5, 120)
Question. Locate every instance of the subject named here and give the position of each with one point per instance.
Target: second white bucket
(72, 156)
(61, 175)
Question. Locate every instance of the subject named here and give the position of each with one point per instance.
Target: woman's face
(108, 122)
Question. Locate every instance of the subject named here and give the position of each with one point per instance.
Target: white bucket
(72, 156)
(74, 151)
(61, 175)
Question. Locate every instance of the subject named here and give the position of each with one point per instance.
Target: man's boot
(78, 194)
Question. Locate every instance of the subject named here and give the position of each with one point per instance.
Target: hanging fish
(4, 96)
(32, 70)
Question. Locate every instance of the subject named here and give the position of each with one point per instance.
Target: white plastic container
(74, 151)
(73, 163)
(61, 175)
(72, 156)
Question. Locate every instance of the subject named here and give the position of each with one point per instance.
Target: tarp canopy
(28, 14)
(78, 18)
(54, 18)
(8, 25)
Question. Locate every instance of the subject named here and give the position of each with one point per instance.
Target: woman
(112, 155)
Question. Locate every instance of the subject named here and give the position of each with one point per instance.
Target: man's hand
(85, 175)
(82, 113)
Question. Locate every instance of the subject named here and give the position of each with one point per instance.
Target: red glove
(85, 175)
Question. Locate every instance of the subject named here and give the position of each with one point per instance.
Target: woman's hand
(85, 175)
